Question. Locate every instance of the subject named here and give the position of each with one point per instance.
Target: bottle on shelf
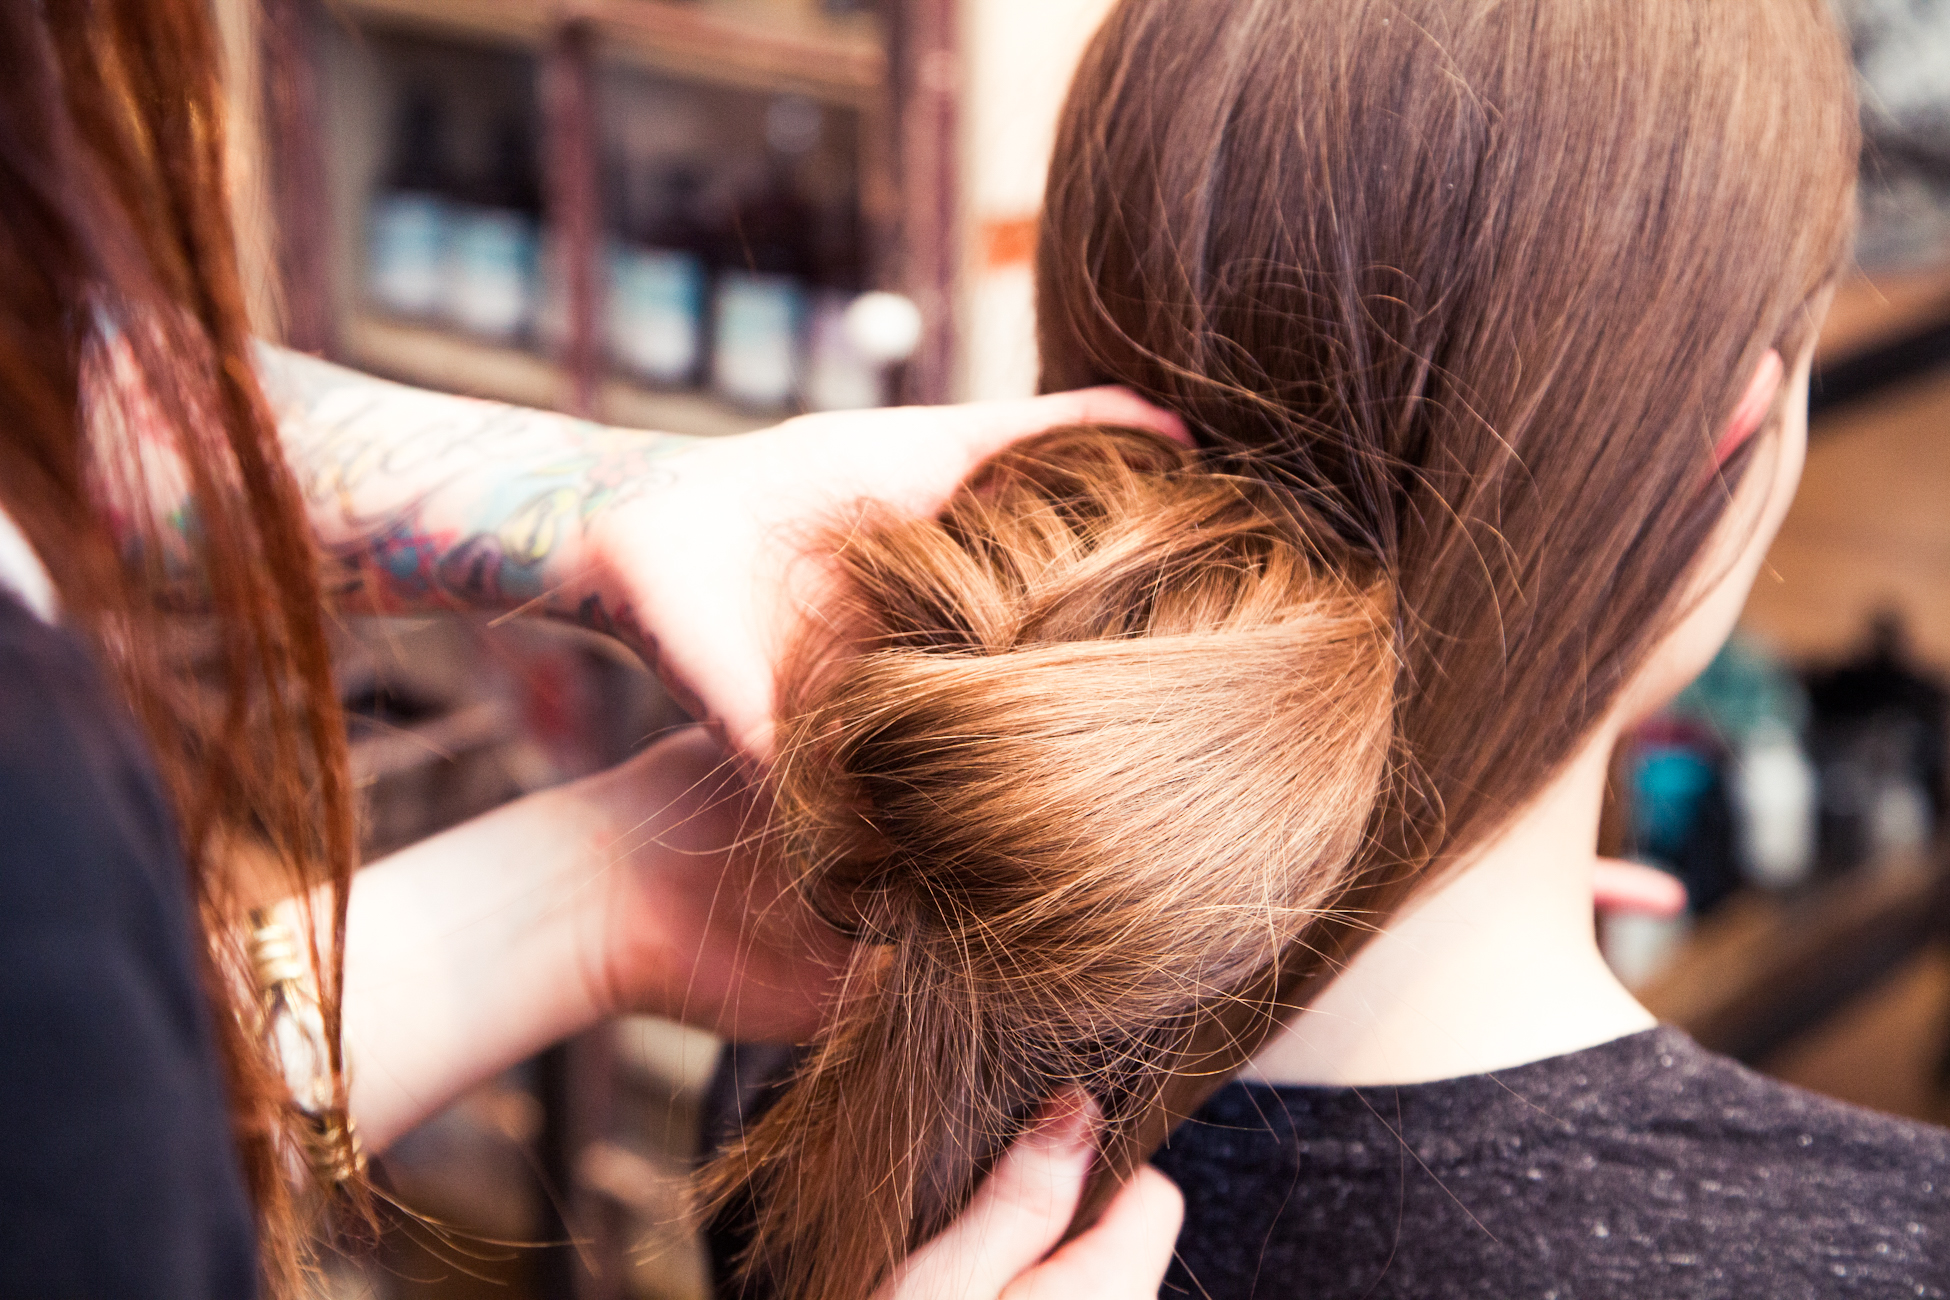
(1774, 793)
(657, 278)
(765, 260)
(491, 276)
(410, 219)
(854, 336)
(840, 376)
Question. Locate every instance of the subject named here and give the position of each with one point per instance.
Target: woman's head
(1482, 280)
(1458, 296)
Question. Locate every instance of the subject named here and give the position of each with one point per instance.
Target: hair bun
(1090, 750)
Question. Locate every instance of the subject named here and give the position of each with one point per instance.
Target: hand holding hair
(683, 558)
(1001, 1246)
(1074, 761)
(624, 891)
(425, 501)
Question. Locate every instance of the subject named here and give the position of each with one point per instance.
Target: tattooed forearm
(423, 500)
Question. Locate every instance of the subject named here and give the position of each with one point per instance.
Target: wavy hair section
(1080, 759)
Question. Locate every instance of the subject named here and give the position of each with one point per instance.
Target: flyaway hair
(1090, 751)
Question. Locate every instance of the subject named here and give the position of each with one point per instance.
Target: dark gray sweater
(1642, 1169)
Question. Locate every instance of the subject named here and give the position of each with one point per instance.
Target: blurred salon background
(702, 216)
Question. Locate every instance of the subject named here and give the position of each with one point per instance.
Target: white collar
(23, 574)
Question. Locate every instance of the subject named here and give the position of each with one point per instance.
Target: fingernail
(1066, 1121)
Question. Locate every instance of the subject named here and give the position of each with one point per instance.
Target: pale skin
(1497, 964)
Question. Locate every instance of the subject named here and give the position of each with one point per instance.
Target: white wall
(1017, 58)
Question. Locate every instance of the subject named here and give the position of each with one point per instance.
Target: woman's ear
(1755, 403)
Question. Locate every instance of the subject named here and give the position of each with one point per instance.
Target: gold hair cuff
(294, 1027)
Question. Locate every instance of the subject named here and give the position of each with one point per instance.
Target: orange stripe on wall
(1008, 241)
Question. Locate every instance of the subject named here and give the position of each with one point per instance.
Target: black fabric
(119, 1179)
(1646, 1168)
(748, 1081)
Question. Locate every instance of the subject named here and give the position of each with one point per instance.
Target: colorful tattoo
(425, 500)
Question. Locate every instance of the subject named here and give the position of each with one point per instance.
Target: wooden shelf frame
(895, 67)
(717, 41)
(1881, 332)
(845, 63)
(439, 358)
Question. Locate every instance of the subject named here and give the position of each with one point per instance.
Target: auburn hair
(1110, 766)
(140, 459)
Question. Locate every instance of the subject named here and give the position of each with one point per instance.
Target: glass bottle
(491, 274)
(410, 219)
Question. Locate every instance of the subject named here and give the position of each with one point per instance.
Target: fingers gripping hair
(1081, 758)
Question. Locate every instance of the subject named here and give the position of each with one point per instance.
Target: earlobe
(1755, 403)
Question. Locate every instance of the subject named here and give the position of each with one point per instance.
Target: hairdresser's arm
(683, 547)
(472, 950)
(423, 500)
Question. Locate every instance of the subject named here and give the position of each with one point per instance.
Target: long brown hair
(1464, 289)
(125, 365)
(1482, 282)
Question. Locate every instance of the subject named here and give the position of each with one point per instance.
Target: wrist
(625, 925)
(602, 572)
(468, 952)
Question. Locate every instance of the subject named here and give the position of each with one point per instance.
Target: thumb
(1123, 1256)
(1018, 1214)
(988, 427)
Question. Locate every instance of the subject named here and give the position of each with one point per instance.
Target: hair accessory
(295, 1029)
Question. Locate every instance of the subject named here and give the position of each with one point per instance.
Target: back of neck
(1496, 966)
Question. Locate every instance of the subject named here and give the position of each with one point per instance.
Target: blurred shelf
(672, 1058)
(1885, 1050)
(758, 46)
(519, 22)
(436, 358)
(1882, 332)
(632, 407)
(1871, 311)
(1763, 969)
